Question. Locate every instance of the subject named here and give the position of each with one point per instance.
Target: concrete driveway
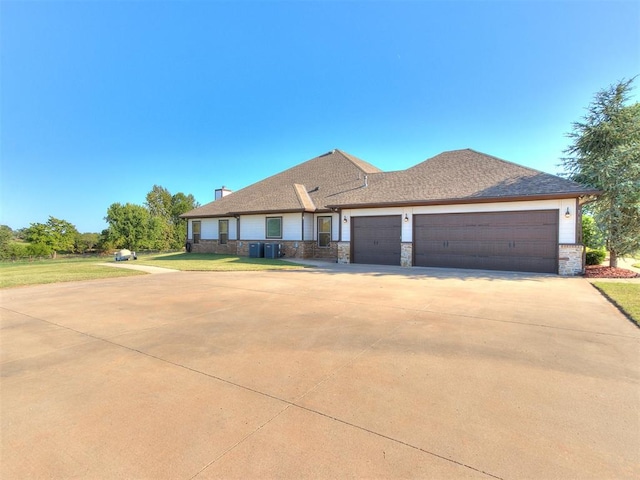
(332, 372)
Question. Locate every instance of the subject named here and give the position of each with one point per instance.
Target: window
(195, 230)
(274, 227)
(324, 231)
(223, 231)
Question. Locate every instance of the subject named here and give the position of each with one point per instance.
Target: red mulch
(600, 271)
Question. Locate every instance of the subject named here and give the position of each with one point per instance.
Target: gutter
(458, 201)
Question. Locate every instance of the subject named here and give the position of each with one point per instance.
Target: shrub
(596, 257)
(15, 251)
(591, 235)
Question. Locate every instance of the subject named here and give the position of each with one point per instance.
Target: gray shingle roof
(303, 188)
(336, 179)
(460, 176)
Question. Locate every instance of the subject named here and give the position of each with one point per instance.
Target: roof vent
(366, 180)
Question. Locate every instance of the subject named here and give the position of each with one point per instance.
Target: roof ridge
(484, 155)
(358, 162)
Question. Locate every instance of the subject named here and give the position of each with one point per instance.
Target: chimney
(221, 192)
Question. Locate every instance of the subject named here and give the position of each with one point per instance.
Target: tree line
(156, 225)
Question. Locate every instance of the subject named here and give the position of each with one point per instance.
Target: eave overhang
(252, 212)
(458, 201)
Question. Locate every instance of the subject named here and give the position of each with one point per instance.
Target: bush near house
(595, 256)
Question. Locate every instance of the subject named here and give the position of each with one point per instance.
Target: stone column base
(570, 259)
(406, 254)
(344, 252)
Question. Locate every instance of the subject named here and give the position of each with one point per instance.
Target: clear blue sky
(102, 100)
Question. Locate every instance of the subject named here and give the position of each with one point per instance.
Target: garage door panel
(520, 241)
(376, 240)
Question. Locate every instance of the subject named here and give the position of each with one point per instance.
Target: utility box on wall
(256, 250)
(272, 250)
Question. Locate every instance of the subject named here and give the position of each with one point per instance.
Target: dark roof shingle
(304, 187)
(459, 175)
(337, 179)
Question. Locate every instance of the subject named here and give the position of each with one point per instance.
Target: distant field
(15, 274)
(21, 273)
(210, 262)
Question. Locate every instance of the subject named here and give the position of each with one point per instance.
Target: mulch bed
(600, 271)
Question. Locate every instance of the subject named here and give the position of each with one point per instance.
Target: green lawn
(626, 296)
(210, 262)
(14, 274)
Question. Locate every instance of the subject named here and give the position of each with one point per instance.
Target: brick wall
(289, 249)
(212, 246)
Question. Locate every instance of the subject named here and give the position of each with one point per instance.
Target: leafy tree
(20, 234)
(128, 225)
(56, 235)
(168, 230)
(605, 154)
(105, 242)
(181, 203)
(591, 236)
(159, 202)
(6, 235)
(159, 235)
(156, 225)
(86, 242)
(161, 227)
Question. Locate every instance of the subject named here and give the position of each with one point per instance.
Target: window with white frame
(195, 231)
(223, 232)
(324, 232)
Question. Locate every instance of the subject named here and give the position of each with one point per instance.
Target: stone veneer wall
(570, 259)
(406, 254)
(344, 252)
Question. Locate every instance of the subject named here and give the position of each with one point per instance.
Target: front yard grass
(211, 262)
(15, 274)
(22, 273)
(626, 296)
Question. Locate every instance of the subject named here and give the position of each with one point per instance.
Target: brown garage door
(525, 241)
(376, 240)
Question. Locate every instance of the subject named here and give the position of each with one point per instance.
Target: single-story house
(461, 209)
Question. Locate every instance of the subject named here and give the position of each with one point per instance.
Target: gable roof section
(460, 176)
(306, 187)
(337, 180)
